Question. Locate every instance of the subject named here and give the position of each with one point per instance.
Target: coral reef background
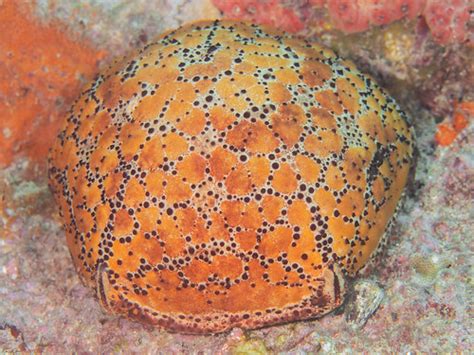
(420, 51)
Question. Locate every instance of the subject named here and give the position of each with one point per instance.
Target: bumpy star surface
(228, 175)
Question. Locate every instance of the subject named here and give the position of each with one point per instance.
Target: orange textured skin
(228, 175)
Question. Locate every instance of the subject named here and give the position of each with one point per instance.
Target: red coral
(268, 12)
(346, 15)
(357, 16)
(447, 19)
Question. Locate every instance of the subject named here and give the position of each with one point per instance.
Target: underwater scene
(236, 176)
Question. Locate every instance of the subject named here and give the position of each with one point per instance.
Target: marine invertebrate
(448, 131)
(447, 20)
(270, 12)
(37, 63)
(366, 297)
(228, 175)
(357, 16)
